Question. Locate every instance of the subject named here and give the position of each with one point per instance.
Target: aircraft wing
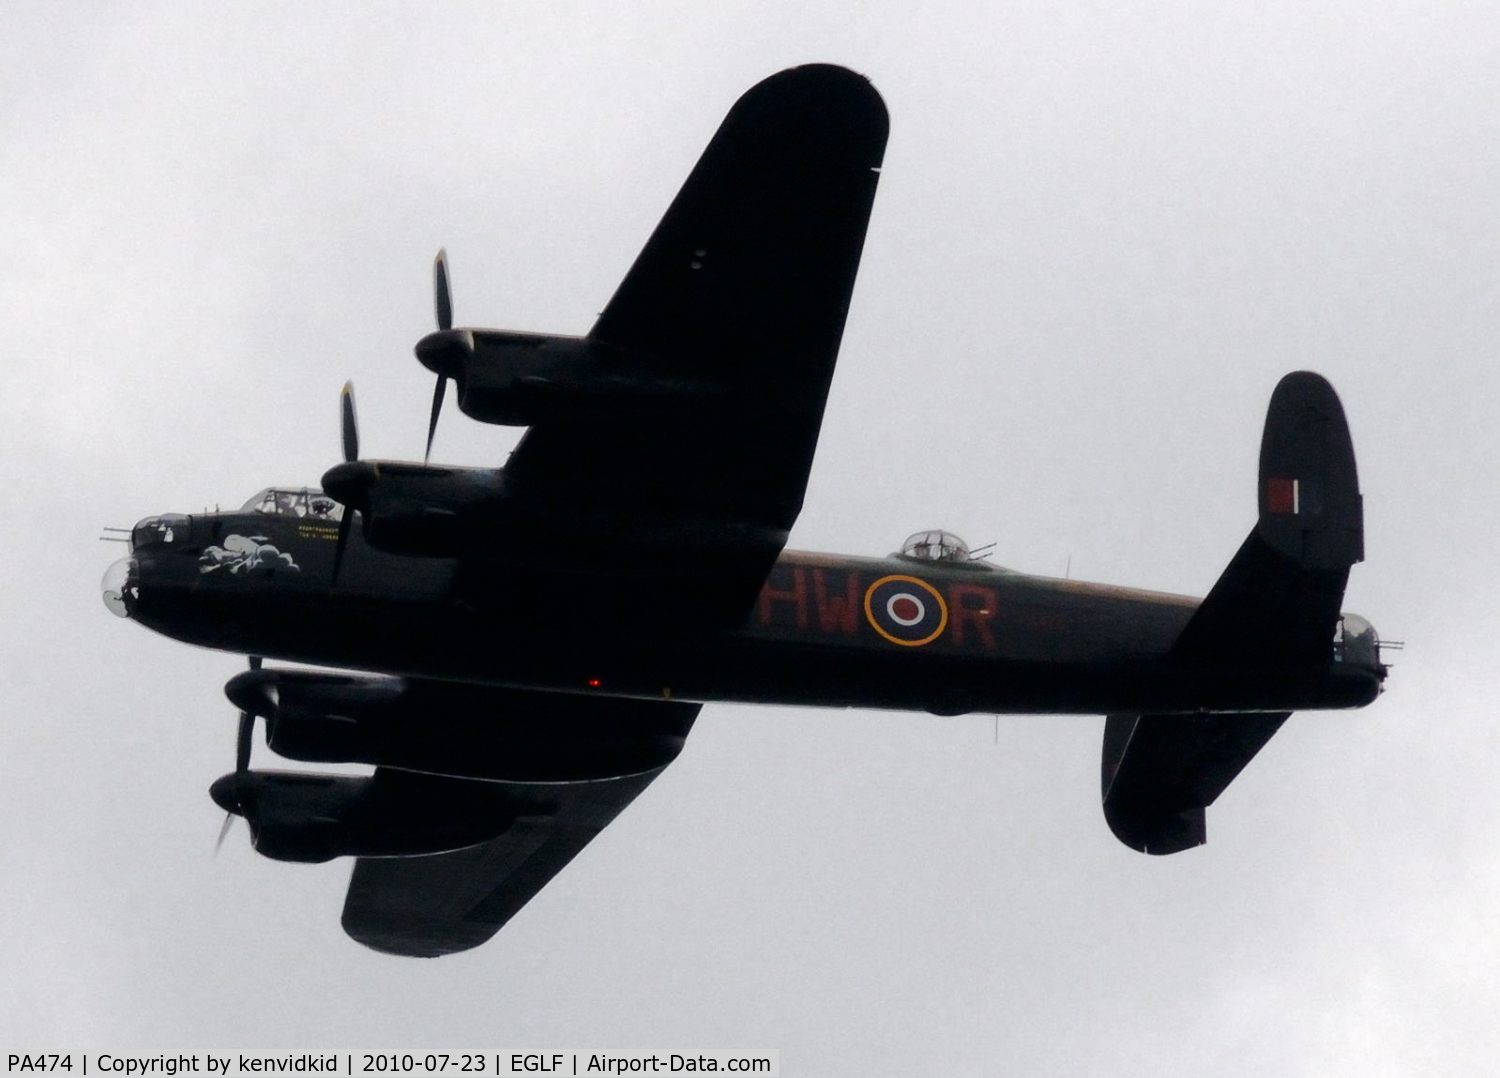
(441, 903)
(739, 297)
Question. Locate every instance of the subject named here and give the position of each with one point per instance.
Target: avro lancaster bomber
(519, 651)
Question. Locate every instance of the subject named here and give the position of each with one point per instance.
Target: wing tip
(823, 88)
(409, 938)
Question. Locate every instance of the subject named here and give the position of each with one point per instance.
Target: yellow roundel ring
(905, 610)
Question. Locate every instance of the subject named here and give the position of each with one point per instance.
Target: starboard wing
(433, 905)
(443, 903)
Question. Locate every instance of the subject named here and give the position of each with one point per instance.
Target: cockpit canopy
(935, 545)
(295, 502)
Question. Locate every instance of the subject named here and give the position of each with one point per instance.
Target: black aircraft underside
(514, 688)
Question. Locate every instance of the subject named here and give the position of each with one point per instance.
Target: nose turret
(120, 587)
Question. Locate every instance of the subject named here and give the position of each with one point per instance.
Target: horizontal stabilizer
(1162, 771)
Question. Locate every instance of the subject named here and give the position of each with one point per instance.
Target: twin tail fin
(1277, 604)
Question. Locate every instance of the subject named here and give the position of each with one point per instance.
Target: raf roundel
(905, 610)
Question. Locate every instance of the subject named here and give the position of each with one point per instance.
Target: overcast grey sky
(1104, 231)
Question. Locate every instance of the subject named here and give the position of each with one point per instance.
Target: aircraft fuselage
(826, 630)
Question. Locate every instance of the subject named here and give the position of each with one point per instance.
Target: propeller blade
(351, 454)
(223, 831)
(230, 797)
(242, 743)
(437, 408)
(442, 298)
(345, 522)
(349, 424)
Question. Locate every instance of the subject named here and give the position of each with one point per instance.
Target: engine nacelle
(511, 735)
(517, 379)
(499, 375)
(416, 509)
(312, 818)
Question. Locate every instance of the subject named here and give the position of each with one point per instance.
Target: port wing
(740, 297)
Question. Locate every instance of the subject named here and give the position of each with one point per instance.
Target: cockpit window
(935, 545)
(296, 502)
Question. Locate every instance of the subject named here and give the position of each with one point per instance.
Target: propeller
(442, 296)
(349, 428)
(349, 483)
(223, 832)
(443, 305)
(228, 792)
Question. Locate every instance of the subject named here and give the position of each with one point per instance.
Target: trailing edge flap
(1161, 772)
(1278, 600)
